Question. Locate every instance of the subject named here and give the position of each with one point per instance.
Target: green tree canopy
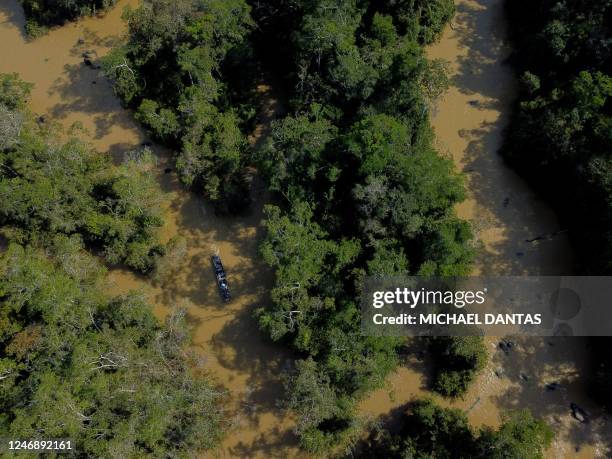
(430, 431)
(101, 371)
(170, 71)
(51, 186)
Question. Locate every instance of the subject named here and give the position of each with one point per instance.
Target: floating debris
(579, 414)
(553, 386)
(546, 236)
(506, 346)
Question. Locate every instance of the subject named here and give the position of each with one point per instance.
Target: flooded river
(468, 121)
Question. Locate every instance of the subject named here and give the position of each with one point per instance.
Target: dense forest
(361, 192)
(358, 190)
(50, 186)
(170, 71)
(561, 135)
(100, 371)
(74, 362)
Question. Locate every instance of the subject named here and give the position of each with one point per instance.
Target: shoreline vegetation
(357, 189)
(42, 14)
(427, 430)
(51, 187)
(187, 71)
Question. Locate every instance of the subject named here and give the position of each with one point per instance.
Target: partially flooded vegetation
(308, 145)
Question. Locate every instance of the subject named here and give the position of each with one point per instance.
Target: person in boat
(221, 278)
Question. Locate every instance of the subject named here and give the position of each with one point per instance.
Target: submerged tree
(458, 360)
(41, 14)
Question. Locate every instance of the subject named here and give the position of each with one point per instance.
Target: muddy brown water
(469, 121)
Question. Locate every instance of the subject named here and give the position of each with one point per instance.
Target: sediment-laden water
(469, 123)
(225, 335)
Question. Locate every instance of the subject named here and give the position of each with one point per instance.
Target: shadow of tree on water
(507, 212)
(13, 12)
(86, 90)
